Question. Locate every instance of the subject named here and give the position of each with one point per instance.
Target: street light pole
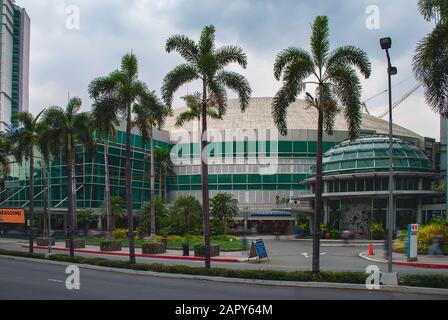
(386, 44)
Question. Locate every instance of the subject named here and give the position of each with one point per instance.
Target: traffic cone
(371, 253)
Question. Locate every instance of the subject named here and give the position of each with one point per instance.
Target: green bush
(424, 280)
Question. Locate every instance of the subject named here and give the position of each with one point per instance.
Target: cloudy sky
(65, 58)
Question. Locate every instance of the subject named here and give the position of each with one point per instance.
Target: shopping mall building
(270, 175)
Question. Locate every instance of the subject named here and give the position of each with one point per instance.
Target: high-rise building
(14, 60)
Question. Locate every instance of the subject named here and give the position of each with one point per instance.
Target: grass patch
(417, 280)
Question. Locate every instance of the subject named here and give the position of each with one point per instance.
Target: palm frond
(237, 83)
(351, 55)
(231, 54)
(430, 65)
(347, 88)
(207, 40)
(320, 43)
(129, 66)
(184, 46)
(180, 75)
(287, 56)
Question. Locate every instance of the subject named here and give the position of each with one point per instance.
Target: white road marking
(307, 255)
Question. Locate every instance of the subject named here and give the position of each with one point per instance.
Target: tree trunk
(70, 196)
(129, 188)
(317, 199)
(108, 199)
(152, 213)
(204, 167)
(160, 182)
(44, 197)
(31, 203)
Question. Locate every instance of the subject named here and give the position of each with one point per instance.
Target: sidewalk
(234, 257)
(424, 261)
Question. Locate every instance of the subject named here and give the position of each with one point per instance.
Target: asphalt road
(31, 280)
(283, 254)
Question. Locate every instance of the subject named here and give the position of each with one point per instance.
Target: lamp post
(386, 44)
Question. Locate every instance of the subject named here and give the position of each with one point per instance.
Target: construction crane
(404, 97)
(364, 105)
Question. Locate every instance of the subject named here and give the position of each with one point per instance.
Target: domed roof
(258, 115)
(371, 153)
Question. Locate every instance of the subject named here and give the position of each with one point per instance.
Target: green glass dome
(370, 154)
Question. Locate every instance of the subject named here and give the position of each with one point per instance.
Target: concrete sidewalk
(424, 261)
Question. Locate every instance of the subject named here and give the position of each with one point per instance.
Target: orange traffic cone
(371, 253)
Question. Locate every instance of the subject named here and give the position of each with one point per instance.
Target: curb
(155, 256)
(408, 264)
(279, 283)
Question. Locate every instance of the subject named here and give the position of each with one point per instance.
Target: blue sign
(260, 248)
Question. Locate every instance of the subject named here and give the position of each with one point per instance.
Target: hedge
(417, 280)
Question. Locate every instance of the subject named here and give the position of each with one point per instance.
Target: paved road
(283, 254)
(31, 280)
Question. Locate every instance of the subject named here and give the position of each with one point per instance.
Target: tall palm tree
(124, 87)
(70, 127)
(150, 112)
(165, 166)
(338, 89)
(105, 120)
(45, 137)
(206, 63)
(24, 142)
(194, 105)
(430, 62)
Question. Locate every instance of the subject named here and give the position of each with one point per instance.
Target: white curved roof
(258, 115)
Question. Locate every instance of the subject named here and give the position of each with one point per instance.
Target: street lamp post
(386, 44)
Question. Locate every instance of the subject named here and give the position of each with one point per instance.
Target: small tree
(117, 207)
(185, 215)
(143, 217)
(224, 207)
(85, 218)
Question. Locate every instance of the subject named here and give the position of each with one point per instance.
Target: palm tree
(194, 104)
(430, 62)
(46, 149)
(24, 142)
(185, 215)
(105, 120)
(68, 128)
(166, 167)
(124, 87)
(206, 63)
(224, 207)
(338, 89)
(150, 113)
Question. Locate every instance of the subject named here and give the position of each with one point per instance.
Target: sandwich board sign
(258, 250)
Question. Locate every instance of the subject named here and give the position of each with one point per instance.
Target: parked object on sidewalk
(185, 248)
(371, 252)
(437, 243)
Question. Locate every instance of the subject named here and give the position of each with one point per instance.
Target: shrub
(199, 250)
(185, 216)
(153, 248)
(120, 233)
(110, 246)
(376, 228)
(424, 280)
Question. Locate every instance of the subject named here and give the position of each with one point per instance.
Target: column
(419, 211)
(100, 222)
(326, 211)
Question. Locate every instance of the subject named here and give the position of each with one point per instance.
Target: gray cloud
(65, 60)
